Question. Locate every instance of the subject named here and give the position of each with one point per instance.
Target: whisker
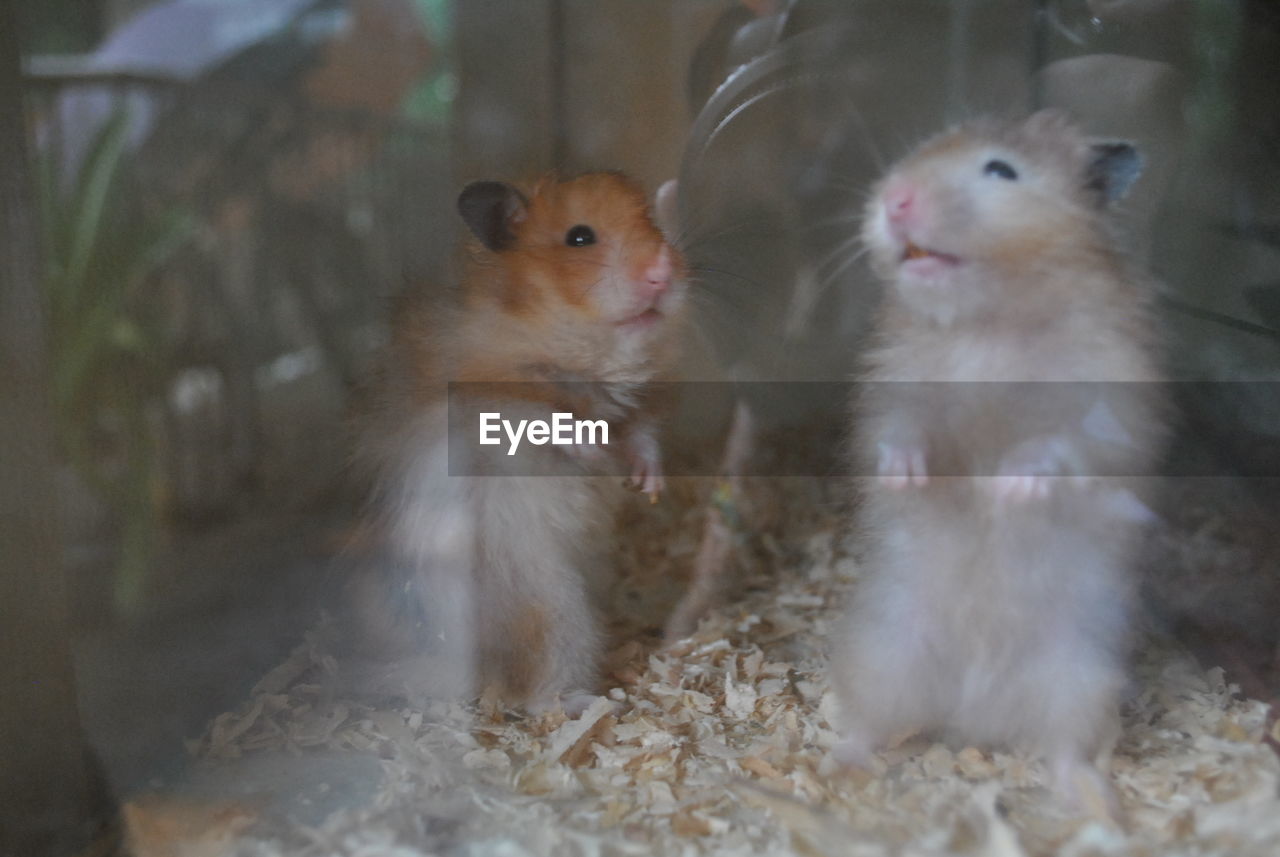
(703, 269)
(811, 289)
(834, 275)
(877, 155)
(724, 302)
(847, 183)
(778, 88)
(840, 249)
(695, 237)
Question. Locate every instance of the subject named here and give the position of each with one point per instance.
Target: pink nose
(899, 201)
(656, 278)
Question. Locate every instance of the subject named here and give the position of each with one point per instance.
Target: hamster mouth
(912, 252)
(643, 319)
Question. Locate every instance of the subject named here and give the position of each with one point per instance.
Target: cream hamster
(999, 531)
(486, 578)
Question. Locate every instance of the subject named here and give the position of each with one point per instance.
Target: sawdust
(718, 744)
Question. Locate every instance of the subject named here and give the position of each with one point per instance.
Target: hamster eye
(580, 236)
(1001, 170)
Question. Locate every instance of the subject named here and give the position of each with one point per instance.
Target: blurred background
(226, 194)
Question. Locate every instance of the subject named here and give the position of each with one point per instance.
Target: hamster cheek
(884, 253)
(615, 297)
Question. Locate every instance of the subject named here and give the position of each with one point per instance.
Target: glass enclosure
(247, 226)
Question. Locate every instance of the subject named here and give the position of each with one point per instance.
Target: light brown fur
(999, 533)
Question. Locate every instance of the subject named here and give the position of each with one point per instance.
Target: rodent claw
(899, 468)
(646, 483)
(646, 471)
(1019, 489)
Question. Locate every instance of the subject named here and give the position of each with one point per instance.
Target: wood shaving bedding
(718, 744)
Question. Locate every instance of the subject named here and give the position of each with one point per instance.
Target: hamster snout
(651, 289)
(656, 278)
(898, 199)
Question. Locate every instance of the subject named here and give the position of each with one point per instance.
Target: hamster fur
(998, 533)
(485, 583)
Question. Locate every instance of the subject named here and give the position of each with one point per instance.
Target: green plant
(102, 249)
(431, 101)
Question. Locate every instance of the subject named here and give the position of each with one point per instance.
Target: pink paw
(1020, 489)
(1087, 790)
(1031, 470)
(850, 754)
(572, 703)
(648, 481)
(901, 466)
(646, 465)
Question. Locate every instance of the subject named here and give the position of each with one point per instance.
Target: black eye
(1001, 170)
(580, 236)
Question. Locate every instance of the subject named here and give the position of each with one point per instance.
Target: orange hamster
(999, 529)
(572, 300)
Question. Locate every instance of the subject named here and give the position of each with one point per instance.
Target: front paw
(572, 703)
(646, 477)
(1032, 470)
(646, 465)
(851, 753)
(899, 466)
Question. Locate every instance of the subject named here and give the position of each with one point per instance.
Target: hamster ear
(1112, 170)
(490, 209)
(1049, 122)
(666, 209)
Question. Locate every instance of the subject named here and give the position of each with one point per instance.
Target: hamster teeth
(914, 251)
